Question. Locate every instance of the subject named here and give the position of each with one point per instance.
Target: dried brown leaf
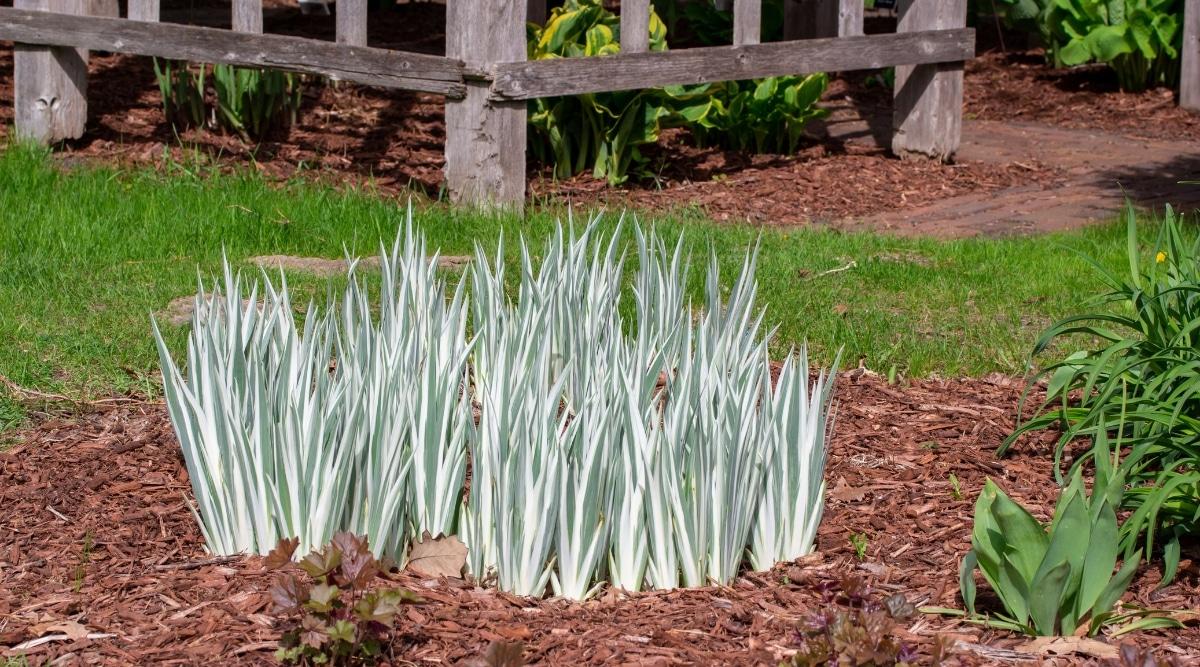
(1067, 645)
(444, 556)
(281, 555)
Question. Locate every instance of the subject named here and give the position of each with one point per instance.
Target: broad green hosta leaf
(1138, 39)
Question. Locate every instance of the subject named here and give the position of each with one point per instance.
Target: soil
(97, 538)
(348, 134)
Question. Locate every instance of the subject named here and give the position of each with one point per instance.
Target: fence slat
(1189, 75)
(635, 26)
(248, 16)
(144, 10)
(49, 81)
(927, 109)
(811, 19)
(109, 8)
(373, 67)
(351, 21)
(631, 71)
(747, 22)
(535, 12)
(485, 139)
(850, 18)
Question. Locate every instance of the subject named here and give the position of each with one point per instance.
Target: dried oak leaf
(72, 629)
(444, 556)
(1093, 648)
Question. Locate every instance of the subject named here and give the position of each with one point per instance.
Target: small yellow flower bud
(1160, 257)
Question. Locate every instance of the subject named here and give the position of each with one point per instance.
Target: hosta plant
(1138, 39)
(760, 116)
(604, 132)
(1057, 580)
(1140, 385)
(598, 131)
(335, 618)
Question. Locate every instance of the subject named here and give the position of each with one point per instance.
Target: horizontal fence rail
(487, 80)
(370, 66)
(630, 71)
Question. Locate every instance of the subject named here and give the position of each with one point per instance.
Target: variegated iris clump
(655, 451)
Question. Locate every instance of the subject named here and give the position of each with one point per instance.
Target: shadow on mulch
(96, 529)
(1154, 186)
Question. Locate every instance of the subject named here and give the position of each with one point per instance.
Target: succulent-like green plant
(1057, 581)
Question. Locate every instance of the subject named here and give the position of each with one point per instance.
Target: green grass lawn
(87, 254)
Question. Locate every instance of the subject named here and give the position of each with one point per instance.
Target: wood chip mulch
(101, 559)
(1020, 86)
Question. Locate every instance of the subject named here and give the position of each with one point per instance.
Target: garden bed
(393, 139)
(97, 537)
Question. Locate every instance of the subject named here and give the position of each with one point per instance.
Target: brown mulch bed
(1020, 86)
(96, 536)
(825, 181)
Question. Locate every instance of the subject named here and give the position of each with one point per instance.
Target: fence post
(808, 19)
(485, 140)
(248, 16)
(351, 22)
(1189, 73)
(928, 99)
(50, 82)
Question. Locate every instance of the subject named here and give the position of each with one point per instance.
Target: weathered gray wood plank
(144, 10)
(49, 81)
(635, 26)
(248, 16)
(351, 22)
(747, 22)
(573, 76)
(812, 19)
(485, 139)
(1189, 75)
(843, 18)
(928, 98)
(375, 67)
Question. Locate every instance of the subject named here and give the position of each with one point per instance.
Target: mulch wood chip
(101, 559)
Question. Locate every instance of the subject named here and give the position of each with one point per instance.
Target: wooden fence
(485, 76)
